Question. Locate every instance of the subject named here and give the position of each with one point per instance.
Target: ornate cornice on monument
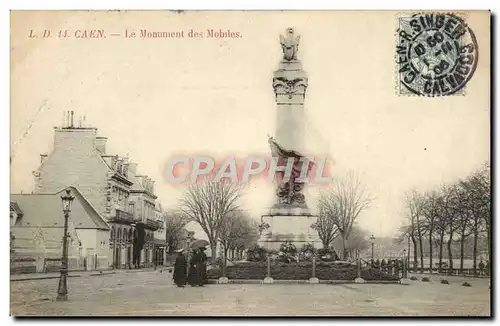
(289, 86)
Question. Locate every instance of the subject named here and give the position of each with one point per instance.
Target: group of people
(190, 267)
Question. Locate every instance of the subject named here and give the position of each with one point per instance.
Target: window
(131, 208)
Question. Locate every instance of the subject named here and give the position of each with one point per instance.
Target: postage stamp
(436, 54)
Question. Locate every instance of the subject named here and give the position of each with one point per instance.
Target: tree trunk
(430, 252)
(224, 261)
(441, 242)
(325, 245)
(342, 252)
(462, 244)
(450, 255)
(213, 248)
(474, 251)
(421, 247)
(415, 261)
(488, 235)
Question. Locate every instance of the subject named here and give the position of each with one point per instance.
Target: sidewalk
(448, 275)
(45, 276)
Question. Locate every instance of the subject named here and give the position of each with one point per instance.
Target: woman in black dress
(193, 275)
(202, 267)
(180, 268)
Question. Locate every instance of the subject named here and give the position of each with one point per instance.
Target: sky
(155, 98)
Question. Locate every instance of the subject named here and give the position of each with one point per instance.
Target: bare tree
(358, 240)
(478, 188)
(248, 239)
(207, 203)
(174, 224)
(415, 207)
(430, 212)
(326, 225)
(464, 219)
(237, 231)
(346, 199)
(405, 234)
(451, 210)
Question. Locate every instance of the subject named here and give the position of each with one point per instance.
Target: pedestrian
(180, 267)
(396, 267)
(202, 267)
(193, 274)
(481, 268)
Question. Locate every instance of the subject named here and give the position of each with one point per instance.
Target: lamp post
(372, 239)
(405, 264)
(62, 291)
(409, 252)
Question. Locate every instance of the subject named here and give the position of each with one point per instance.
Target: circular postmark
(436, 54)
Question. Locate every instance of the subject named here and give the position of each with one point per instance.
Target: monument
(289, 219)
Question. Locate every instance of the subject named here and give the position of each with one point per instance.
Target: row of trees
(214, 206)
(453, 212)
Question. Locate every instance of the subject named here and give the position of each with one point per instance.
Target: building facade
(159, 241)
(37, 224)
(125, 200)
(142, 204)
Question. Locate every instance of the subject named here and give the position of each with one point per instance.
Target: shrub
(444, 282)
(257, 253)
(288, 247)
(327, 254)
(307, 252)
(414, 278)
(287, 253)
(425, 279)
(285, 258)
(466, 284)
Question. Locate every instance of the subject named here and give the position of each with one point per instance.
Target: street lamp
(62, 291)
(372, 239)
(405, 264)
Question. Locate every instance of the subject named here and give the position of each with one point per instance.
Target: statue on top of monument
(290, 44)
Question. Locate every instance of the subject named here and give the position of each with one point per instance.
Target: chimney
(72, 124)
(43, 157)
(132, 168)
(71, 139)
(100, 144)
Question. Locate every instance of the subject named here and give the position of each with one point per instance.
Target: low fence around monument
(311, 269)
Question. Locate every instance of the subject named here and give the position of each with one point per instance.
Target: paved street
(153, 294)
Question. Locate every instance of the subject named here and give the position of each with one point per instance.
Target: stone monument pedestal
(289, 224)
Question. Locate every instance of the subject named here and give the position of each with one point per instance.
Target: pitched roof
(15, 207)
(45, 210)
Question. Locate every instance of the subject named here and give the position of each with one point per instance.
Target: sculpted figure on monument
(290, 44)
(289, 192)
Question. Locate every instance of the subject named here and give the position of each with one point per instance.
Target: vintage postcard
(250, 163)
